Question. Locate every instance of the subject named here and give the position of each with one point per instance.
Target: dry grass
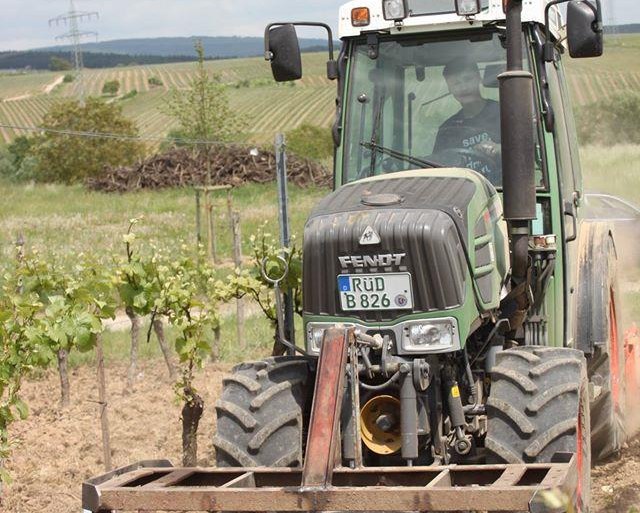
(615, 170)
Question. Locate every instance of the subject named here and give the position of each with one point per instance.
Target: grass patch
(64, 221)
(614, 170)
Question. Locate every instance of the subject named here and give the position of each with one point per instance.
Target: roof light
(394, 9)
(360, 17)
(467, 7)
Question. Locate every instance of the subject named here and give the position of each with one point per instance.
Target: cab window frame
(444, 36)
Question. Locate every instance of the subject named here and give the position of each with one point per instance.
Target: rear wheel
(260, 414)
(539, 407)
(598, 334)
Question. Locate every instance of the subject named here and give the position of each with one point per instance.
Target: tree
(202, 111)
(59, 64)
(72, 158)
(21, 351)
(312, 142)
(111, 87)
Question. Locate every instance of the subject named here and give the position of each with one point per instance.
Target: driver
(476, 126)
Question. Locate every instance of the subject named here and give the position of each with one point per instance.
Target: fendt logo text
(372, 261)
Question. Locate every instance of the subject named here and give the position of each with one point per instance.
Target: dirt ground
(58, 450)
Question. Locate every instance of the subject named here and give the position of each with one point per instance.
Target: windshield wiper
(374, 132)
(399, 155)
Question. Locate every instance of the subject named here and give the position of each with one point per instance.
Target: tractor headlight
(429, 336)
(394, 9)
(314, 340)
(315, 335)
(467, 7)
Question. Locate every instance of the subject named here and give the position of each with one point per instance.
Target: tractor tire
(598, 333)
(538, 407)
(260, 415)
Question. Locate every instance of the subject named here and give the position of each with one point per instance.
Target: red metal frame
(322, 485)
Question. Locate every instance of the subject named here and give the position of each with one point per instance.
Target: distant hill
(633, 28)
(40, 60)
(162, 50)
(214, 47)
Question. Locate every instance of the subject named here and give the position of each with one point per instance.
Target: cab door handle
(571, 211)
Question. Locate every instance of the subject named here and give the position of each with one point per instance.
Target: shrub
(17, 163)
(7, 166)
(68, 78)
(71, 158)
(131, 94)
(111, 87)
(155, 82)
(20, 149)
(610, 121)
(59, 64)
(311, 142)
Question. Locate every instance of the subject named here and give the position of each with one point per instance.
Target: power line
(72, 18)
(107, 135)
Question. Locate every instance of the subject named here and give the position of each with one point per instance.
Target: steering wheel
(470, 157)
(473, 159)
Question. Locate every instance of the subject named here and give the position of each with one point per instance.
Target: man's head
(463, 79)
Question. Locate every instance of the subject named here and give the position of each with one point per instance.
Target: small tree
(139, 289)
(72, 158)
(203, 111)
(251, 282)
(59, 64)
(20, 352)
(189, 301)
(111, 87)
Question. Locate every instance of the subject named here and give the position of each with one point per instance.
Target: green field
(268, 107)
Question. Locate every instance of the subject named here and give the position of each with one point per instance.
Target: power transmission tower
(72, 19)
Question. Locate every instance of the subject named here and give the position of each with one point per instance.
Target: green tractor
(460, 317)
(483, 308)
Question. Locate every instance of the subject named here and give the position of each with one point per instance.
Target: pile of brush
(222, 165)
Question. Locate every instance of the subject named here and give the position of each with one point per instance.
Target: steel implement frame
(323, 485)
(149, 486)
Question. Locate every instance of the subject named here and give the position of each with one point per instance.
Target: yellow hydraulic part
(380, 424)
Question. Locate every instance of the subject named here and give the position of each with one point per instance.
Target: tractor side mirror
(282, 50)
(584, 30)
(284, 53)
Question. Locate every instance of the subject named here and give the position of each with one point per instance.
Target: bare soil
(59, 449)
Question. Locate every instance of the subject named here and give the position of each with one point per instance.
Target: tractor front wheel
(538, 407)
(260, 416)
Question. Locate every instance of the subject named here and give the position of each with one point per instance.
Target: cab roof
(533, 11)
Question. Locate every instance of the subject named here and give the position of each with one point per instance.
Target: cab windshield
(424, 102)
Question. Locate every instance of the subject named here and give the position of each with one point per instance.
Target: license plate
(390, 291)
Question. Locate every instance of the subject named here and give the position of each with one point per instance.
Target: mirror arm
(332, 66)
(548, 45)
(597, 10)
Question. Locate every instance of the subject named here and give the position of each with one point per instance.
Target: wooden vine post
(234, 221)
(104, 405)
(204, 198)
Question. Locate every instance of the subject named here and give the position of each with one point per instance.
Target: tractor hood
(443, 227)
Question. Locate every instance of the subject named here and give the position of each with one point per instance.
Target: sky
(24, 23)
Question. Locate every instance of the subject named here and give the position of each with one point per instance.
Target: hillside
(268, 107)
(215, 47)
(41, 60)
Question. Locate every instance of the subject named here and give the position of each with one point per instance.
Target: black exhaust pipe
(518, 156)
